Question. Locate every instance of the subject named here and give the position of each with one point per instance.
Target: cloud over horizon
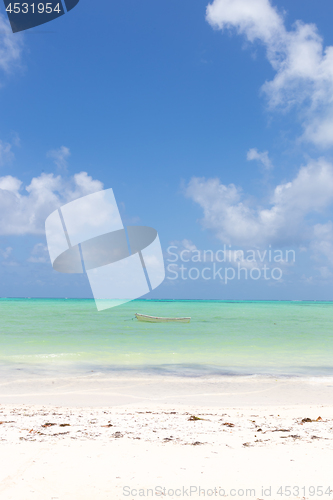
(292, 217)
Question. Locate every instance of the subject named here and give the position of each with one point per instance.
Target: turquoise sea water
(276, 338)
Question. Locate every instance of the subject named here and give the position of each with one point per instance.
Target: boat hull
(157, 319)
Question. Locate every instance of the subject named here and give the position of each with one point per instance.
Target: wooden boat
(157, 319)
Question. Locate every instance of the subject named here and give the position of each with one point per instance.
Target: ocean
(224, 338)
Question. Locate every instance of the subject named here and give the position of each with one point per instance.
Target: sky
(211, 122)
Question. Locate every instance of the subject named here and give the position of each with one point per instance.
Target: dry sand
(153, 447)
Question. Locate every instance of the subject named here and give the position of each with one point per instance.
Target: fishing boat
(157, 319)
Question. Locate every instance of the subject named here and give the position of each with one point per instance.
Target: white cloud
(254, 18)
(303, 66)
(263, 158)
(60, 156)
(39, 254)
(23, 211)
(234, 219)
(84, 184)
(10, 47)
(9, 183)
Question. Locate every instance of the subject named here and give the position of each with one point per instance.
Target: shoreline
(97, 389)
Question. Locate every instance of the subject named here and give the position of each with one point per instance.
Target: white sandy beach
(143, 438)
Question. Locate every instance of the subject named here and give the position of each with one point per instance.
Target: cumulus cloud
(303, 66)
(263, 158)
(235, 220)
(60, 157)
(10, 47)
(23, 210)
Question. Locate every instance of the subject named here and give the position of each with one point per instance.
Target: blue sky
(167, 104)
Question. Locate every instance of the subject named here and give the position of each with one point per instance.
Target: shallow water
(223, 338)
